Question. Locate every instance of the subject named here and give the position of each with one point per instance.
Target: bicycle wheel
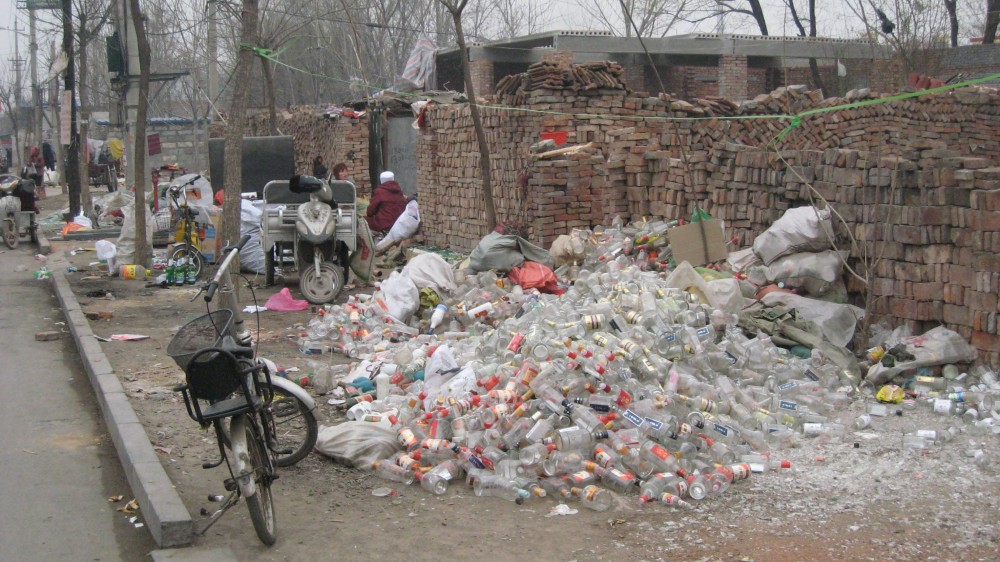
(293, 425)
(261, 504)
(190, 255)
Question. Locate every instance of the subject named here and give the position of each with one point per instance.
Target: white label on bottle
(788, 385)
(756, 467)
(787, 405)
(702, 332)
(656, 425)
(812, 376)
(927, 434)
(721, 429)
(812, 428)
(633, 418)
(942, 406)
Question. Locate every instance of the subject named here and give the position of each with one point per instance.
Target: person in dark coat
(319, 169)
(388, 202)
(36, 166)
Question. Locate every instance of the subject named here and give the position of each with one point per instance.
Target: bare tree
(912, 28)
(654, 18)
(8, 106)
(91, 18)
(744, 8)
(143, 252)
(992, 19)
(237, 123)
(813, 67)
(455, 7)
(952, 7)
(521, 17)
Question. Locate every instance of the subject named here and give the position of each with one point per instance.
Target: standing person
(388, 202)
(36, 165)
(340, 172)
(319, 170)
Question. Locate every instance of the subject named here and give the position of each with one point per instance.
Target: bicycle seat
(214, 375)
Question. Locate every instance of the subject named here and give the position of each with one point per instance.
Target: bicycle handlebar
(230, 252)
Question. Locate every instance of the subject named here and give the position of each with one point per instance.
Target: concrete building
(689, 66)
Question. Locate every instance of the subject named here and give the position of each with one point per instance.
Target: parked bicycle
(260, 421)
(186, 254)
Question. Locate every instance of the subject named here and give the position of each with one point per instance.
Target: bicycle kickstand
(227, 501)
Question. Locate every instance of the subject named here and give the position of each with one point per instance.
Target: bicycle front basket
(203, 331)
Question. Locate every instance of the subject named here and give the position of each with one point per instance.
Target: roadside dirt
(863, 498)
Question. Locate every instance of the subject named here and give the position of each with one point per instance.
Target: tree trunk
(73, 152)
(143, 251)
(242, 75)
(758, 16)
(952, 7)
(813, 67)
(477, 122)
(992, 19)
(85, 198)
(272, 113)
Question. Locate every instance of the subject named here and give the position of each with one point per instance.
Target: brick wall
(733, 77)
(483, 80)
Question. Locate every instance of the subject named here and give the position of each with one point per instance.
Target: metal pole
(18, 148)
(36, 98)
(73, 152)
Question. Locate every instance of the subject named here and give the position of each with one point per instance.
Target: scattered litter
(382, 492)
(128, 337)
(253, 309)
(561, 509)
(131, 507)
(115, 499)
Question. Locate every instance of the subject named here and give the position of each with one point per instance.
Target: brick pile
(341, 139)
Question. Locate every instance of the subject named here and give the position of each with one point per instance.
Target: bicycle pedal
(230, 484)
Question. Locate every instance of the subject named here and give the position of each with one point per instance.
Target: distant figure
(340, 172)
(319, 170)
(388, 202)
(36, 165)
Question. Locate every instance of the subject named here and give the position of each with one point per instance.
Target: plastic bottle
(382, 385)
(180, 271)
(437, 317)
(171, 265)
(436, 479)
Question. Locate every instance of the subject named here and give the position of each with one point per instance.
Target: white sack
(802, 229)
(723, 294)
(440, 368)
(431, 271)
(357, 443)
(939, 346)
(126, 240)
(836, 321)
(401, 296)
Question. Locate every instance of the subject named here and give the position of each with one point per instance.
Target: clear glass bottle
(496, 486)
(594, 497)
(390, 471)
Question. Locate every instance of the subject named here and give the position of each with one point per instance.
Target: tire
(269, 266)
(293, 425)
(33, 230)
(261, 504)
(193, 256)
(10, 237)
(322, 287)
(344, 257)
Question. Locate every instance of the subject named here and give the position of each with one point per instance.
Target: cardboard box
(698, 243)
(210, 235)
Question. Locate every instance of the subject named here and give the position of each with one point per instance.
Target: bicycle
(222, 372)
(187, 250)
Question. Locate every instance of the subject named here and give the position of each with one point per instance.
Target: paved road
(57, 463)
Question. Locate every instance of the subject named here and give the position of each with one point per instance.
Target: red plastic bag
(282, 301)
(534, 275)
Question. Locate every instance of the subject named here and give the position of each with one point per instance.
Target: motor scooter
(317, 255)
(17, 210)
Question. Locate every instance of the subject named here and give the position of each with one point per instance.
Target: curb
(44, 246)
(166, 517)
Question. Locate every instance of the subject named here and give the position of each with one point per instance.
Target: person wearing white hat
(388, 202)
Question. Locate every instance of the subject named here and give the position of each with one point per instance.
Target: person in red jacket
(388, 202)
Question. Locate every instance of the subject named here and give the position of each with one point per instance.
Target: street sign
(43, 4)
(65, 107)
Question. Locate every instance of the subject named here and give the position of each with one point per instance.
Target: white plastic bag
(106, 251)
(802, 229)
(402, 298)
(439, 369)
(815, 273)
(357, 443)
(939, 346)
(431, 271)
(83, 221)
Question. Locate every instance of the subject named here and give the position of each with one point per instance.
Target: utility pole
(36, 98)
(18, 149)
(73, 152)
(213, 76)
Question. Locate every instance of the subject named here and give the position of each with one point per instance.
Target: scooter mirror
(304, 184)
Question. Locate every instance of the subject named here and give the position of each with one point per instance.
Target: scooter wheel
(10, 237)
(323, 286)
